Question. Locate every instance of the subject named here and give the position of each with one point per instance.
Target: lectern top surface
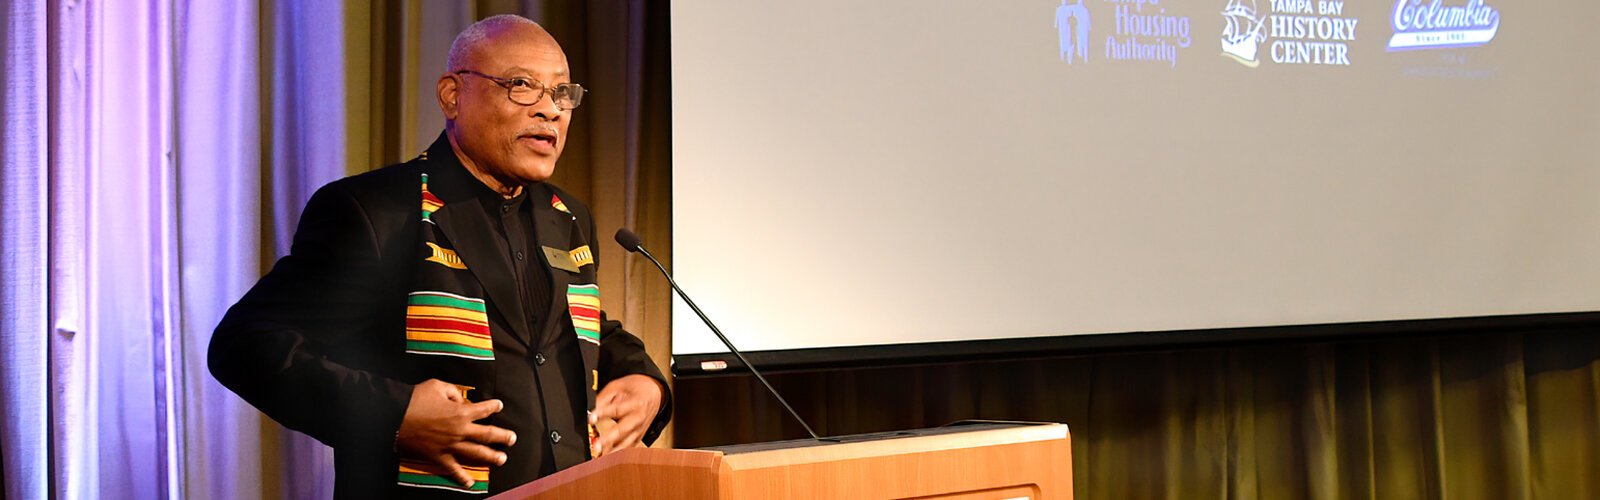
(958, 427)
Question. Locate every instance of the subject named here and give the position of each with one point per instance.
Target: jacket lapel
(463, 221)
(553, 229)
(559, 229)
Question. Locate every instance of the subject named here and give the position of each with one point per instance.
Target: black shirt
(516, 229)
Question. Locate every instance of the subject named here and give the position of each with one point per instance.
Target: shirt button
(519, 255)
(538, 358)
(505, 208)
(555, 437)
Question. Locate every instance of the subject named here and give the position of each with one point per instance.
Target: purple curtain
(23, 245)
(156, 154)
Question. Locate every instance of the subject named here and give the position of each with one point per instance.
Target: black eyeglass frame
(574, 92)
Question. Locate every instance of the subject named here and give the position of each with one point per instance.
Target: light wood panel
(1032, 461)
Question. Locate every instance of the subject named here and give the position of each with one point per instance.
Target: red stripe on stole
(427, 196)
(448, 324)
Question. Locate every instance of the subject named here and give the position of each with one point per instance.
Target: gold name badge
(569, 260)
(559, 259)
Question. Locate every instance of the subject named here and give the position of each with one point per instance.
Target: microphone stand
(640, 248)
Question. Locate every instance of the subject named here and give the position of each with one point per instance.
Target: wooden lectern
(992, 460)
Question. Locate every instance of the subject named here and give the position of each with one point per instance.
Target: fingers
(482, 410)
(477, 453)
(626, 434)
(632, 419)
(457, 473)
(438, 428)
(627, 411)
(603, 412)
(489, 434)
(604, 405)
(632, 402)
(631, 390)
(446, 389)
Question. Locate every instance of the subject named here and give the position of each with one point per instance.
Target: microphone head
(628, 240)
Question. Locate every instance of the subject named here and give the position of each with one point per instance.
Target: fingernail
(501, 458)
(513, 439)
(469, 483)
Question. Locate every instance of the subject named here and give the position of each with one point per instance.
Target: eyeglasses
(528, 92)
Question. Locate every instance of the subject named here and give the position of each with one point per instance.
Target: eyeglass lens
(566, 95)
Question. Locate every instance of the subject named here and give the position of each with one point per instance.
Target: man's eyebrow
(519, 70)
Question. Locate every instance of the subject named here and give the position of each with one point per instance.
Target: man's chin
(535, 172)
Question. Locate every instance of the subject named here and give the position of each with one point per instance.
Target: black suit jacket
(328, 342)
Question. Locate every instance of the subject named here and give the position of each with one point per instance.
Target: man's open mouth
(547, 138)
(542, 141)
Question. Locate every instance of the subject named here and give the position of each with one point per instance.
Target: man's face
(511, 142)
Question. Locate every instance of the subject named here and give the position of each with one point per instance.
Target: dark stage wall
(1502, 415)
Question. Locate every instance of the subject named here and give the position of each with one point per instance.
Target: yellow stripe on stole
(589, 301)
(587, 324)
(474, 317)
(445, 256)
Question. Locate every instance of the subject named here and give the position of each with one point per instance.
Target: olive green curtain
(618, 149)
(1465, 416)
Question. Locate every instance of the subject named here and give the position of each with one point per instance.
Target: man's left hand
(632, 401)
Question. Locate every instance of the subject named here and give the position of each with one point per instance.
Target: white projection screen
(863, 173)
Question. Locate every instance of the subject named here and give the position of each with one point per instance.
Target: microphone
(631, 243)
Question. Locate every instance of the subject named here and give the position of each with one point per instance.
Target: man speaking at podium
(437, 322)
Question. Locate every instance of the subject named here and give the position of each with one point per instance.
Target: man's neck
(506, 190)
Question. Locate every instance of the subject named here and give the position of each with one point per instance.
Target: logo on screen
(1312, 32)
(1433, 25)
(1241, 34)
(1072, 27)
(1146, 35)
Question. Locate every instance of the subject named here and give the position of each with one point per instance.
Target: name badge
(560, 259)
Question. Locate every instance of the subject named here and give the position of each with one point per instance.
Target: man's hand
(632, 401)
(438, 428)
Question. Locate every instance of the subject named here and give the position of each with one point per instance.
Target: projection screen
(850, 173)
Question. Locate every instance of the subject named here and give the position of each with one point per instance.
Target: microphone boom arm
(724, 339)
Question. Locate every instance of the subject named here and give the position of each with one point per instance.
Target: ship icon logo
(1242, 35)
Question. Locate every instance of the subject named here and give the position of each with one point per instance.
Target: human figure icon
(1072, 27)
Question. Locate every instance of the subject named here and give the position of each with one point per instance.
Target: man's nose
(546, 108)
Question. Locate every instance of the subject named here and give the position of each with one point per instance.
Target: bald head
(472, 42)
(504, 142)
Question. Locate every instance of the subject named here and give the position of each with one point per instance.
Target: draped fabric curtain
(165, 145)
(156, 156)
(1466, 416)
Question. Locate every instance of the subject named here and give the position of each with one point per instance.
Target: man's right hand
(438, 428)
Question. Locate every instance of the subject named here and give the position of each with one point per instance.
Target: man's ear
(448, 89)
